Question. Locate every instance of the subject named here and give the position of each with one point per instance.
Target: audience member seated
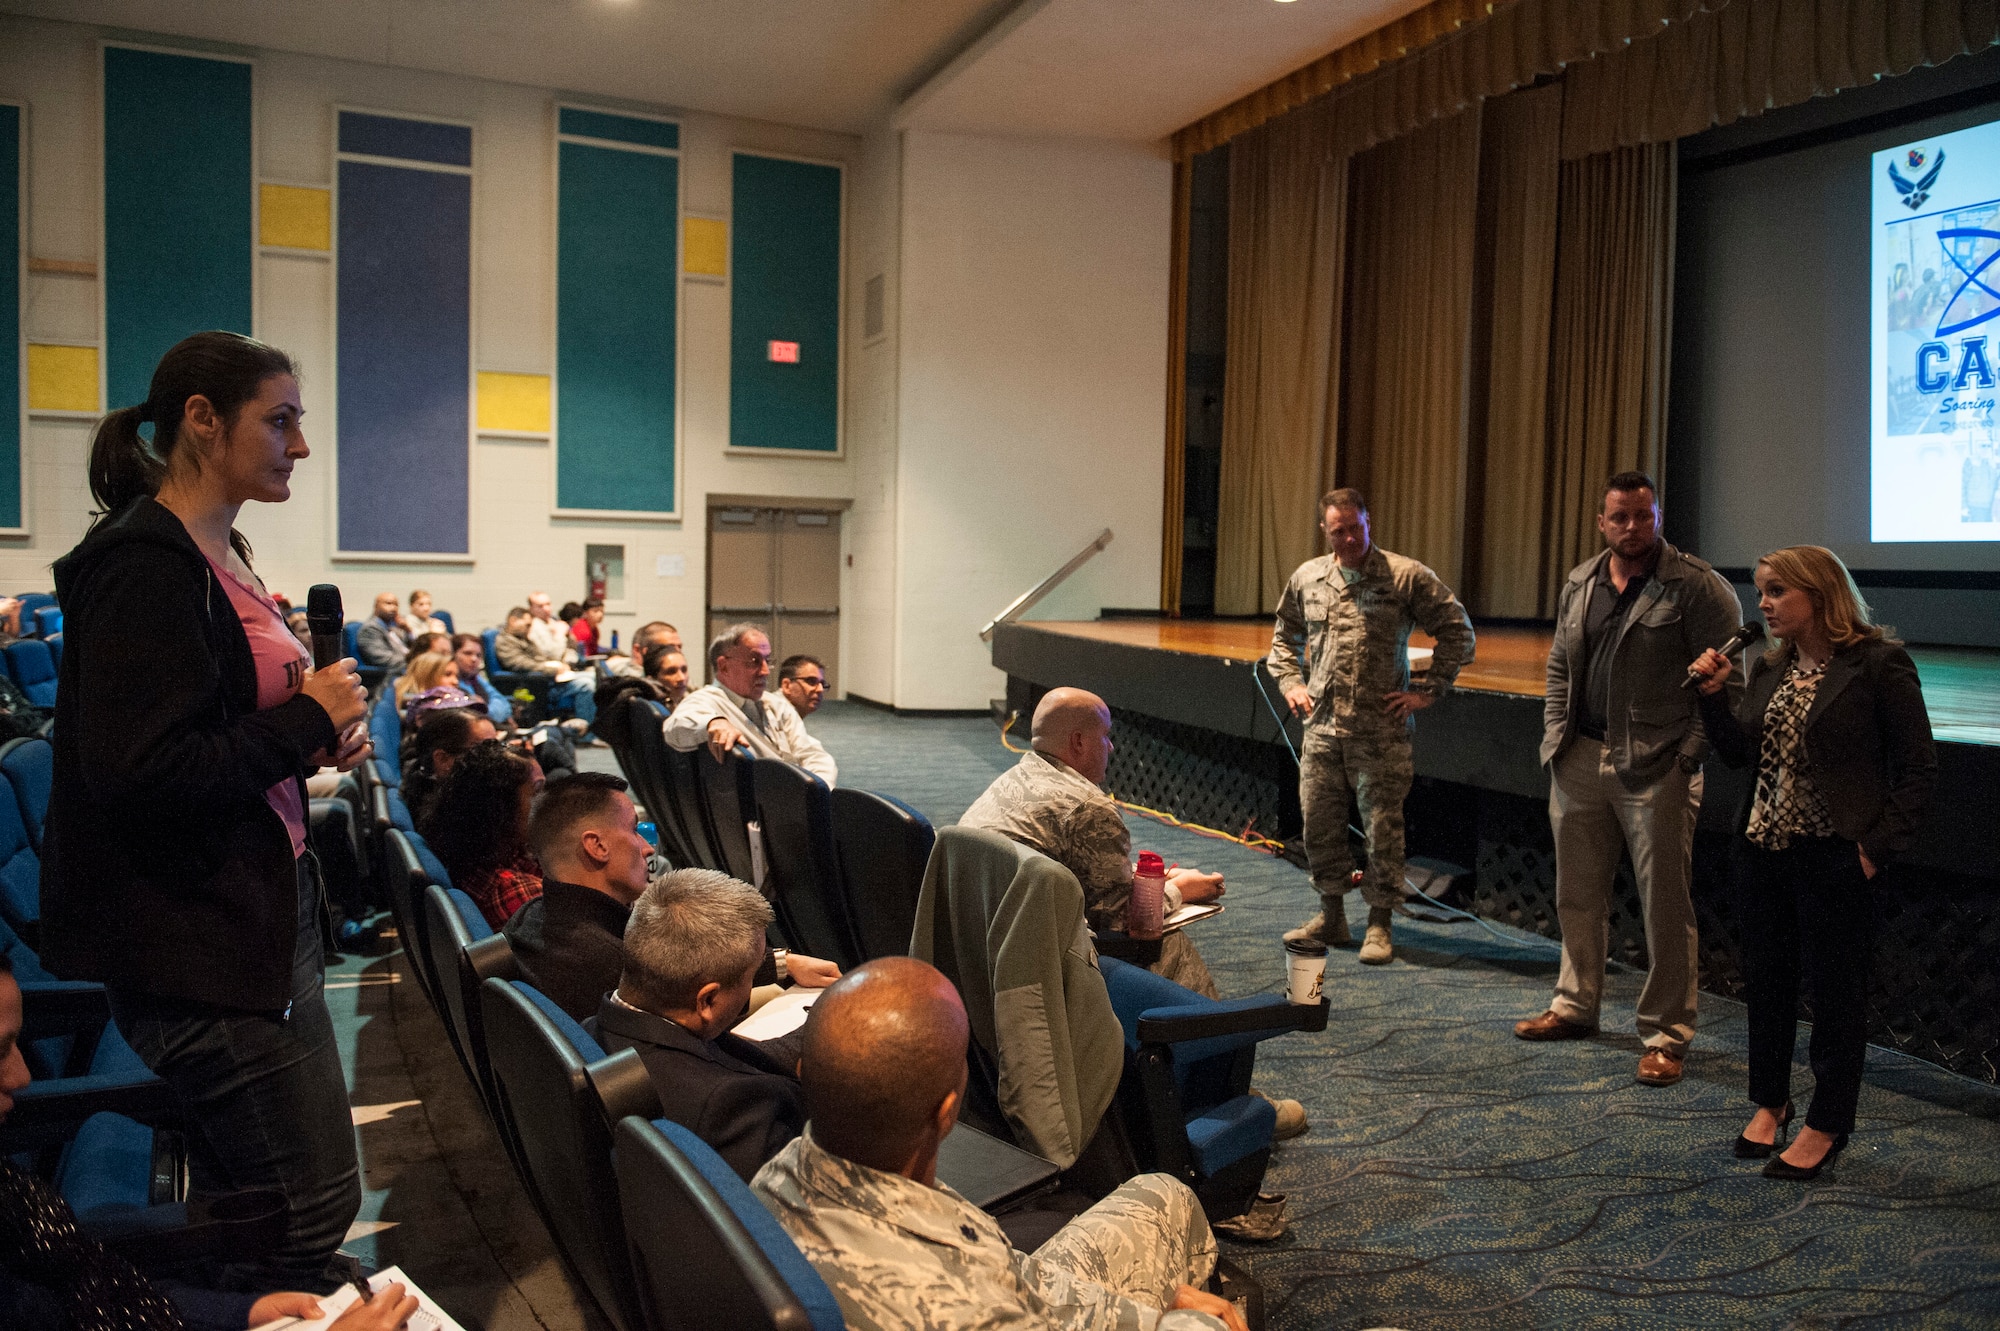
(550, 634)
(426, 671)
(667, 666)
(18, 714)
(522, 651)
(692, 952)
(735, 710)
(430, 642)
(802, 679)
(648, 635)
(10, 619)
(478, 828)
(301, 629)
(434, 746)
(584, 628)
(418, 619)
(883, 1074)
(470, 655)
(53, 1277)
(1054, 801)
(383, 641)
(570, 940)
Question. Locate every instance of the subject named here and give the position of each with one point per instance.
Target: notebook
(428, 1316)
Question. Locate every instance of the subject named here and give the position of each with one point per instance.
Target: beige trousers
(1595, 816)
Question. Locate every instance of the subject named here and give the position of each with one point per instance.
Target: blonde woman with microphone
(1833, 719)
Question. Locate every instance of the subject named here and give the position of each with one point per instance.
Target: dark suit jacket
(570, 943)
(733, 1093)
(1868, 742)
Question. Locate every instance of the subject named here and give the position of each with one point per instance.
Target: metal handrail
(1025, 602)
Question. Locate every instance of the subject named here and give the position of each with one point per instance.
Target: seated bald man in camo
(883, 1074)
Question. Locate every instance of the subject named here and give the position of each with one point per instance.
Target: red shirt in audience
(585, 634)
(507, 888)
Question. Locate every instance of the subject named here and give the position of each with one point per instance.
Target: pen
(359, 1279)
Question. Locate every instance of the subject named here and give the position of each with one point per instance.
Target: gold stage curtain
(1414, 204)
(1173, 493)
(1746, 57)
(1608, 357)
(1287, 229)
(1508, 456)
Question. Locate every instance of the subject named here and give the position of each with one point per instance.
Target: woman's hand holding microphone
(337, 688)
(1713, 669)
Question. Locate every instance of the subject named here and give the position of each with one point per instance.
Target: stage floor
(1961, 684)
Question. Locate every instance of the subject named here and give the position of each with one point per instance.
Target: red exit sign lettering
(785, 353)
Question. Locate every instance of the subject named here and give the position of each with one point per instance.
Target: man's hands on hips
(722, 737)
(1195, 886)
(1401, 705)
(1299, 699)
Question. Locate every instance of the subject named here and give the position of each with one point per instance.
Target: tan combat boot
(1375, 948)
(1328, 927)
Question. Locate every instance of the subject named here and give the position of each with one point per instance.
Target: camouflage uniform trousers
(1377, 770)
(1142, 1241)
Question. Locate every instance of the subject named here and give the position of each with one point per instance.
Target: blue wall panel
(405, 359)
(411, 140)
(178, 235)
(11, 237)
(617, 217)
(784, 287)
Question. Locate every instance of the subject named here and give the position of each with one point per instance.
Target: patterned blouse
(1787, 804)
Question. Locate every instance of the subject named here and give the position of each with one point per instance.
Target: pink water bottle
(1146, 915)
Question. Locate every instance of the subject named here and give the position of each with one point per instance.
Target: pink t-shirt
(282, 662)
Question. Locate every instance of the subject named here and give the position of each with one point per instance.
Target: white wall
(1031, 390)
(518, 545)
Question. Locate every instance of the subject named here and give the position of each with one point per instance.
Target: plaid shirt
(506, 888)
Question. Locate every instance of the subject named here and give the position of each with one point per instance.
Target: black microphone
(328, 624)
(1745, 635)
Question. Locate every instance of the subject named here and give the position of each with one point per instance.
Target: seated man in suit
(692, 951)
(883, 1073)
(570, 941)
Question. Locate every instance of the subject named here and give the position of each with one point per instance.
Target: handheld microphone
(1743, 637)
(328, 624)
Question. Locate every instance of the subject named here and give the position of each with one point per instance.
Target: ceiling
(1128, 69)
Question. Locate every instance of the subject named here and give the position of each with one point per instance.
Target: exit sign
(785, 353)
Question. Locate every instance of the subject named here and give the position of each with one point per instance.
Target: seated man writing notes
(736, 710)
(883, 1073)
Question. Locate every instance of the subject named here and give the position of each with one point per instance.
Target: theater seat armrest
(52, 1008)
(46, 1113)
(625, 1087)
(1267, 1014)
(1142, 952)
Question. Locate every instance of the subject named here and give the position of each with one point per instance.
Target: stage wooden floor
(1961, 684)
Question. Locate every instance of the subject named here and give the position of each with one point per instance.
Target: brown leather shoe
(1549, 1026)
(1659, 1068)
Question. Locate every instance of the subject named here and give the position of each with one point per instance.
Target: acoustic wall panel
(179, 208)
(617, 218)
(784, 332)
(13, 345)
(403, 346)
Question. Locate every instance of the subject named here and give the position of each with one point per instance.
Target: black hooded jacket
(165, 871)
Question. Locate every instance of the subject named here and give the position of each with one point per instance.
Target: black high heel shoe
(1777, 1168)
(1749, 1150)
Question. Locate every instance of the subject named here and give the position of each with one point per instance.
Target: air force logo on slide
(1914, 192)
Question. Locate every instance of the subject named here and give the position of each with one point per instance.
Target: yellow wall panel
(296, 218)
(705, 246)
(517, 403)
(61, 378)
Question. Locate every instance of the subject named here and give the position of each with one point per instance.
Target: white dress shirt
(771, 726)
(551, 641)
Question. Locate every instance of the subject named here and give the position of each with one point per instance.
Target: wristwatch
(781, 960)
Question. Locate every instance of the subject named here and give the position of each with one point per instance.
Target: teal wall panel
(178, 236)
(620, 129)
(12, 234)
(784, 287)
(618, 215)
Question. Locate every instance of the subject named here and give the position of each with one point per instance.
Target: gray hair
(719, 646)
(689, 928)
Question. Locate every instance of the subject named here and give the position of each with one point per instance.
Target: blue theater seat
(802, 871)
(20, 872)
(48, 621)
(33, 667)
(881, 845)
(686, 1210)
(29, 766)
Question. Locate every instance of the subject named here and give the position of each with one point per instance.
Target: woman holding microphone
(1833, 718)
(174, 865)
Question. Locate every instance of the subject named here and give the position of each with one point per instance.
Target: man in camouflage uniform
(884, 1073)
(1340, 654)
(1053, 800)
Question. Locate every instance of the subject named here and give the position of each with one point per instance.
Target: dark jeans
(265, 1101)
(1806, 906)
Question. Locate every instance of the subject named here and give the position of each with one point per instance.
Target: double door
(778, 568)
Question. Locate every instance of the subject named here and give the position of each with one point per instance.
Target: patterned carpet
(1456, 1177)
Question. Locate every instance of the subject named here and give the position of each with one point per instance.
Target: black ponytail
(225, 368)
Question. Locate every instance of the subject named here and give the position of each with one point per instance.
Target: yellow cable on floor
(1254, 840)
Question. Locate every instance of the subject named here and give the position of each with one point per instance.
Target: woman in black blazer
(1833, 718)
